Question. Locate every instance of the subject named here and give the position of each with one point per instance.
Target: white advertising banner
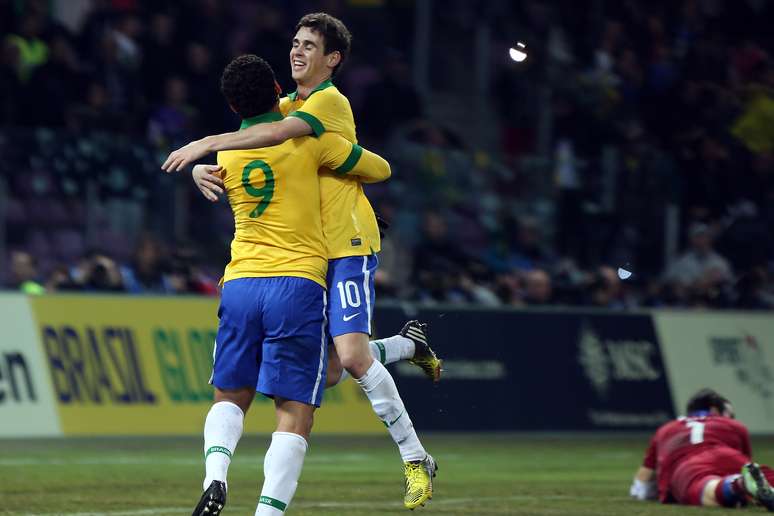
(732, 353)
(27, 407)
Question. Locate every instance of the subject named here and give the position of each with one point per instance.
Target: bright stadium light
(517, 53)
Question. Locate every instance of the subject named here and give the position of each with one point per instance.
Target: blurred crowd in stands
(661, 119)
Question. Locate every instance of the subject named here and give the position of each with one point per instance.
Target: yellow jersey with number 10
(274, 193)
(349, 223)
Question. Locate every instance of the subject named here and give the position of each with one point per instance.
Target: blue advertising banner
(535, 370)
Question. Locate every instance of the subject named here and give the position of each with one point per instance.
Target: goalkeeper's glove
(643, 490)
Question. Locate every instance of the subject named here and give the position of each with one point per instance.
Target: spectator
(95, 113)
(438, 261)
(392, 100)
(126, 35)
(161, 55)
(119, 78)
(201, 77)
(96, 272)
(185, 277)
(24, 273)
(145, 275)
(521, 247)
(537, 287)
(751, 290)
(55, 86)
(700, 263)
(172, 123)
(10, 85)
(393, 277)
(60, 280)
(33, 51)
(605, 289)
(700, 277)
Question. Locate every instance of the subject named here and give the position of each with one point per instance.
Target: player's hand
(642, 491)
(208, 181)
(184, 156)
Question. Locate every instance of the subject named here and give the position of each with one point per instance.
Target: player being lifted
(271, 332)
(320, 45)
(703, 459)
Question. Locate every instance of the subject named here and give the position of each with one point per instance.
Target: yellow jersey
(349, 222)
(274, 195)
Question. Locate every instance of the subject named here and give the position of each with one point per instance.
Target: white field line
(326, 505)
(122, 460)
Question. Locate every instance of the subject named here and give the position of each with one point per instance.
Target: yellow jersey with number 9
(349, 223)
(274, 195)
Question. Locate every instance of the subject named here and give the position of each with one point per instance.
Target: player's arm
(253, 137)
(349, 159)
(644, 485)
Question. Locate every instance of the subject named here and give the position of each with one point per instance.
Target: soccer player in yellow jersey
(271, 332)
(317, 108)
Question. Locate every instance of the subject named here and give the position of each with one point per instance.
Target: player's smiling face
(309, 65)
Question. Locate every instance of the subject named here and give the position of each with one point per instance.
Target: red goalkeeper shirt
(685, 437)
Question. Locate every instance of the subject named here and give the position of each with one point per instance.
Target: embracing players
(703, 459)
(272, 311)
(317, 108)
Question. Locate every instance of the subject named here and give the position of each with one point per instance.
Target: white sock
(381, 390)
(392, 349)
(222, 431)
(387, 351)
(281, 469)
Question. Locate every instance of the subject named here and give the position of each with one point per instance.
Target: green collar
(265, 118)
(325, 84)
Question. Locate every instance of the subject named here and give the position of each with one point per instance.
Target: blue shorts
(272, 334)
(351, 292)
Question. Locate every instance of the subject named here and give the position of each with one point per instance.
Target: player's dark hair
(248, 84)
(336, 36)
(705, 400)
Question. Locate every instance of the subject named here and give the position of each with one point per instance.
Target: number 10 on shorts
(348, 293)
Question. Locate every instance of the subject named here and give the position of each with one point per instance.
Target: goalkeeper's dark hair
(248, 83)
(705, 400)
(335, 35)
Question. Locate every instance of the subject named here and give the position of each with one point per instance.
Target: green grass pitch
(480, 475)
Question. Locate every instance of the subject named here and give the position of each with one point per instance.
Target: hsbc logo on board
(606, 361)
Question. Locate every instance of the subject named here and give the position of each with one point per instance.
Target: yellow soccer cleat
(424, 357)
(419, 482)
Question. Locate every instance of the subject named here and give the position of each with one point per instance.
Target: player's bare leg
(377, 383)
(354, 353)
(222, 431)
(285, 457)
(335, 371)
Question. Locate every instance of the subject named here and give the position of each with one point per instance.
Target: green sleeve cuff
(317, 127)
(351, 161)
